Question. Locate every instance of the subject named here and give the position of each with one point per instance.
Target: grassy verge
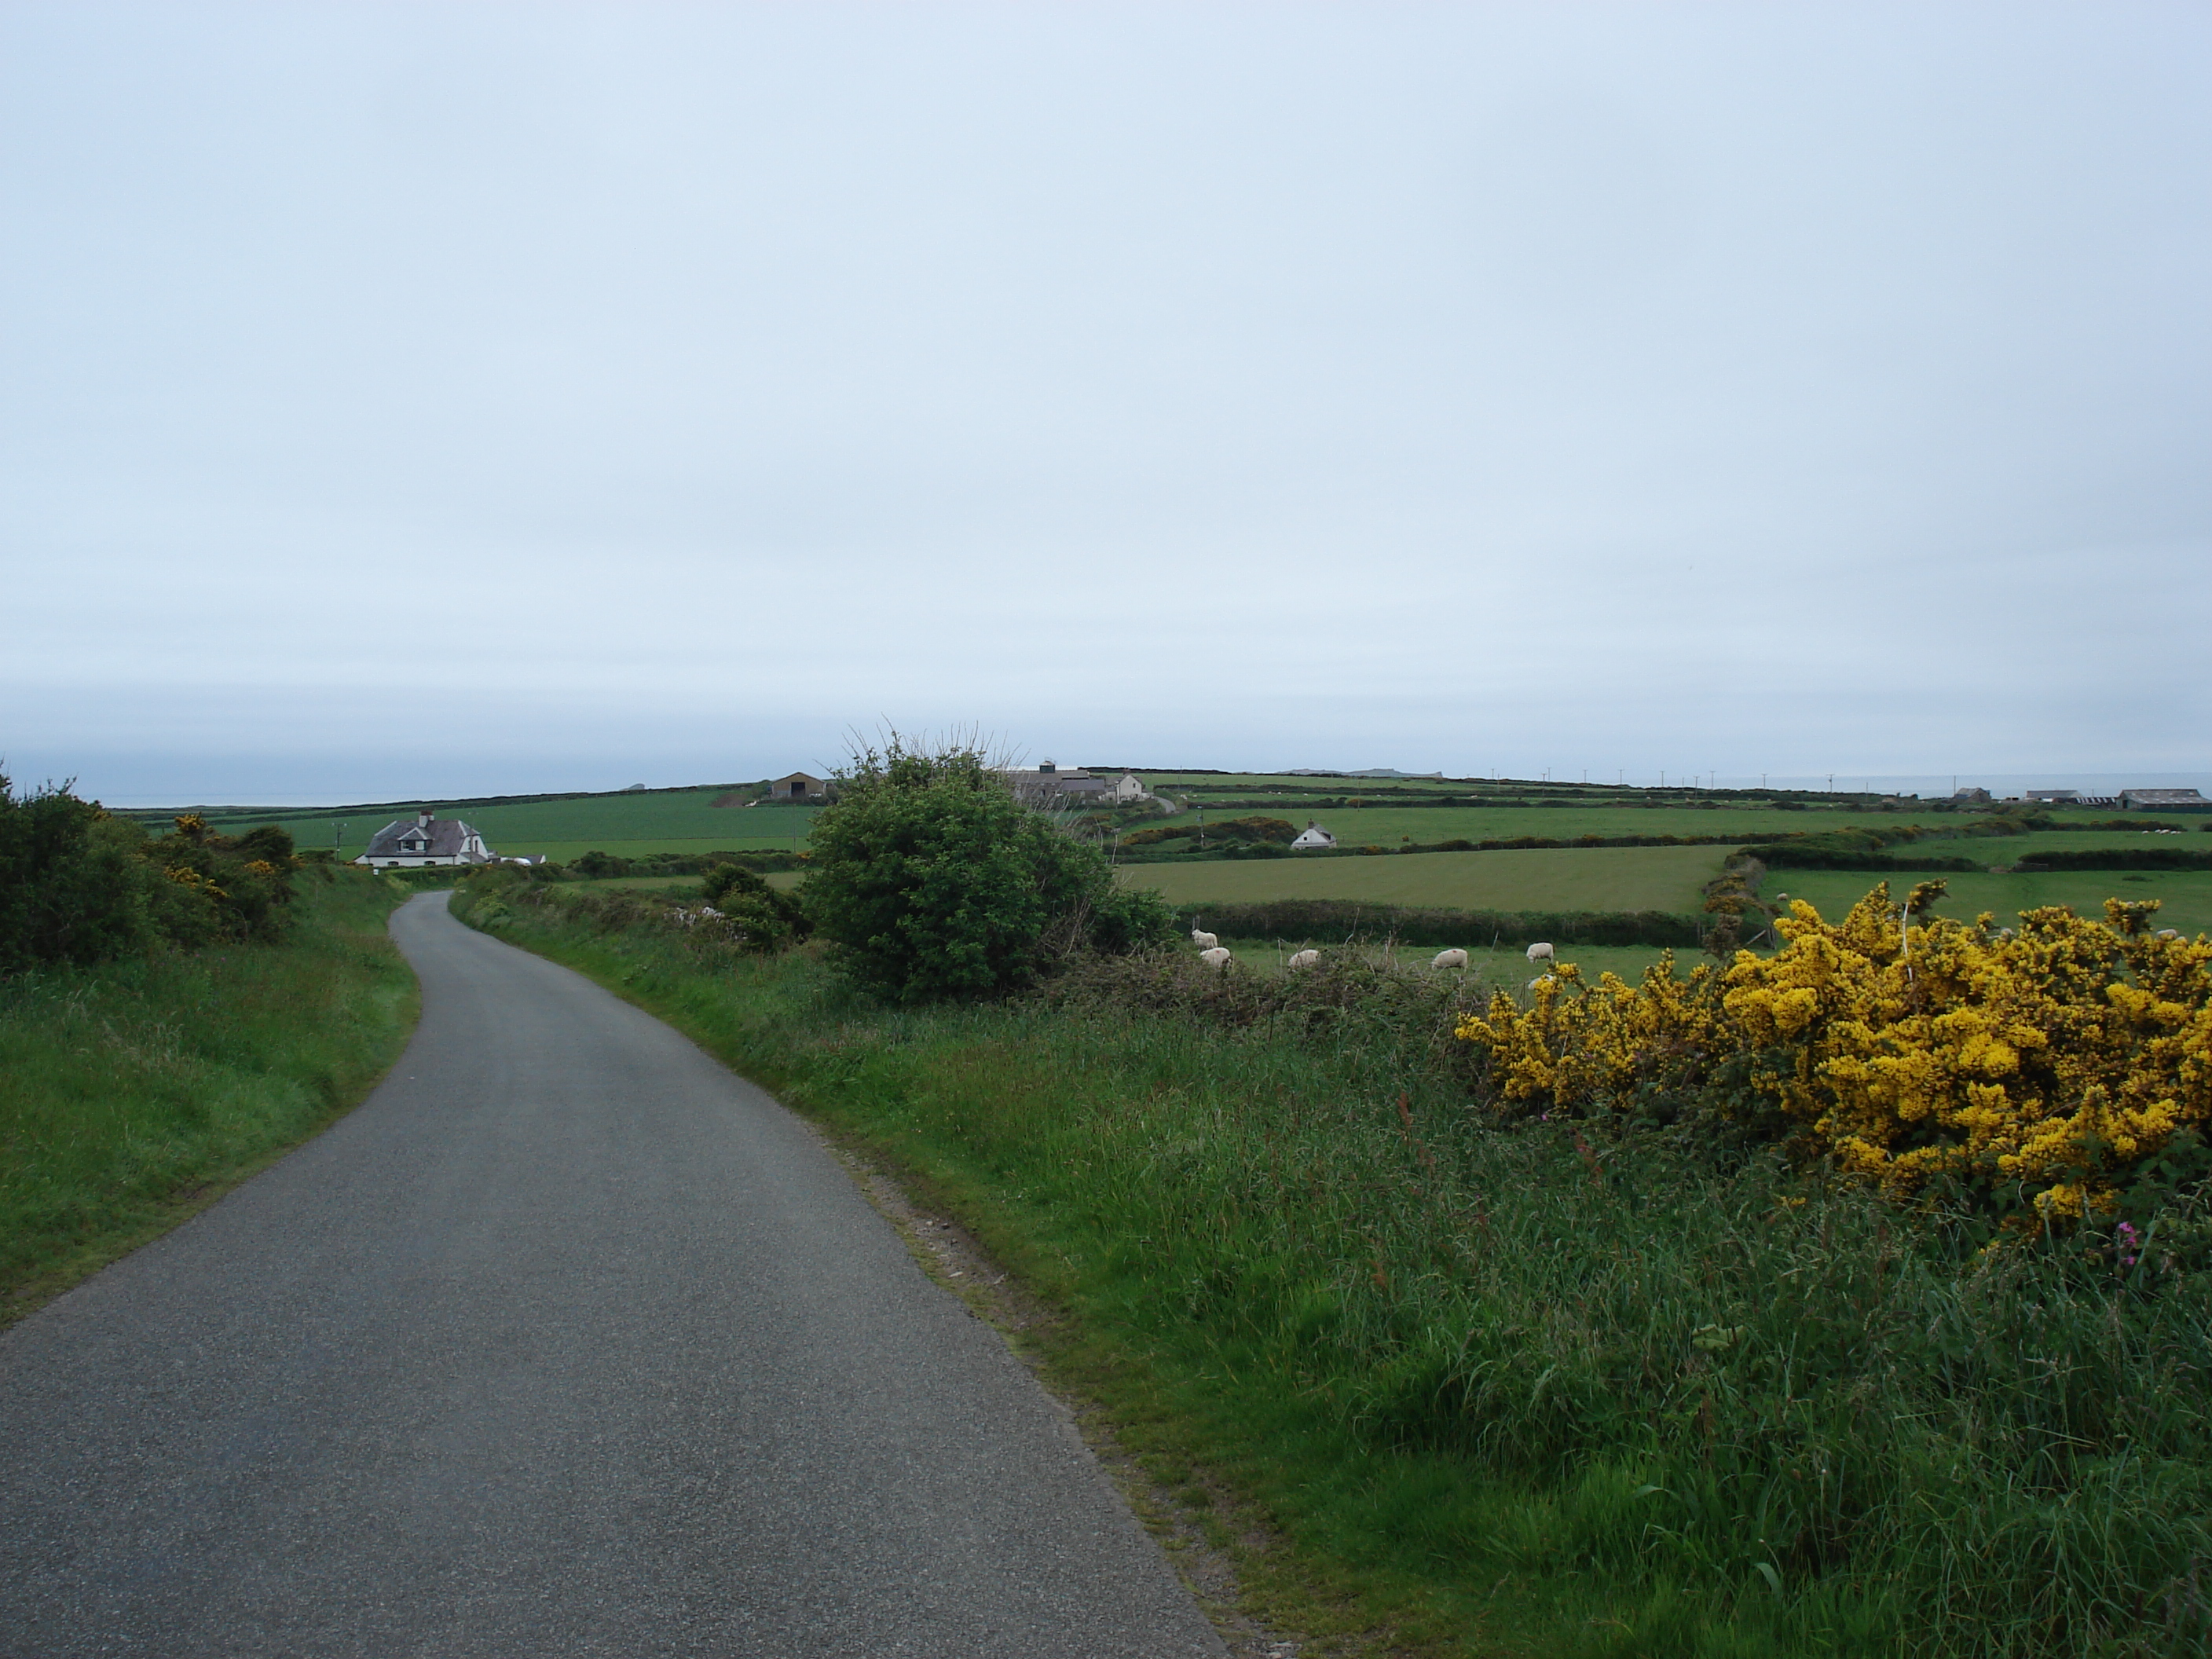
(133, 1094)
(1473, 1391)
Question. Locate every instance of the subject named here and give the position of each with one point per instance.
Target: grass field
(1600, 879)
(134, 1093)
(1504, 968)
(658, 821)
(633, 823)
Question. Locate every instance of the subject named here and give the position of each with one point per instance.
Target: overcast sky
(418, 400)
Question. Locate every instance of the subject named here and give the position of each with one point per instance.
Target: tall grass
(1520, 1390)
(132, 1092)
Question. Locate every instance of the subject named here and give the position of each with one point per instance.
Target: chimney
(422, 818)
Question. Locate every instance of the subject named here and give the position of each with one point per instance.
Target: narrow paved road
(566, 1342)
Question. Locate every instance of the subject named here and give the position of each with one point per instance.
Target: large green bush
(71, 889)
(930, 879)
(79, 885)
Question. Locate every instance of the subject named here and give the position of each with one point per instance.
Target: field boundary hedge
(1290, 919)
(2116, 858)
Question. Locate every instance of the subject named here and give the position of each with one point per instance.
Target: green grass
(1505, 968)
(662, 821)
(1598, 879)
(1492, 1392)
(2185, 895)
(134, 1093)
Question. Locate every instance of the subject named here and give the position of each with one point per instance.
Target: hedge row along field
(1630, 1369)
(1346, 919)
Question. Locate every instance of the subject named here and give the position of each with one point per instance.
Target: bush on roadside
(931, 879)
(768, 920)
(79, 885)
(2042, 1071)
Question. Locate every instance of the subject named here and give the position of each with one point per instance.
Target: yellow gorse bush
(2049, 1059)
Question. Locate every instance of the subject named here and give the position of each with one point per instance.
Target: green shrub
(931, 879)
(79, 885)
(767, 919)
(71, 889)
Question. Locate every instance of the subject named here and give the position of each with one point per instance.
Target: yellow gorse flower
(2056, 1055)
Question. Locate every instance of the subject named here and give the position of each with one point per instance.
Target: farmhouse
(1313, 836)
(2167, 801)
(1128, 789)
(797, 786)
(423, 840)
(1049, 783)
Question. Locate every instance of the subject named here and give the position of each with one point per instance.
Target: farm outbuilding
(1311, 837)
(2166, 800)
(797, 786)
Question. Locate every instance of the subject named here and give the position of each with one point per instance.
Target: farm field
(2186, 895)
(1599, 879)
(660, 821)
(1505, 968)
(1384, 825)
(633, 823)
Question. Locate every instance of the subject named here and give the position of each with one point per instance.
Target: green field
(1600, 879)
(1504, 967)
(632, 825)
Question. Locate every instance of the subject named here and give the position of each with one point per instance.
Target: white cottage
(1312, 835)
(423, 840)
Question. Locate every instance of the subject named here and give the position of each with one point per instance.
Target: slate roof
(448, 839)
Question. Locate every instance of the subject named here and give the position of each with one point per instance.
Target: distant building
(1311, 837)
(2054, 796)
(2164, 800)
(1049, 786)
(799, 787)
(1971, 794)
(1127, 790)
(424, 840)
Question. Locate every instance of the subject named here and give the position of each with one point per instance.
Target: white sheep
(1303, 959)
(2168, 932)
(1450, 959)
(1542, 952)
(1204, 941)
(1215, 958)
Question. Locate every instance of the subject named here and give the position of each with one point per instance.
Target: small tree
(931, 879)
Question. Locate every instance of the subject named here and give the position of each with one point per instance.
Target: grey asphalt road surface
(566, 1342)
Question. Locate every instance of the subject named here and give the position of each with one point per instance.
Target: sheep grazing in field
(1204, 941)
(1542, 952)
(1303, 959)
(1215, 958)
(1450, 959)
